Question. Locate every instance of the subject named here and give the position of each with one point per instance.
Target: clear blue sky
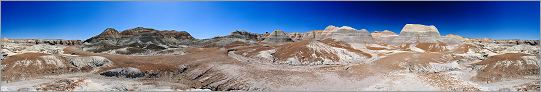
(82, 20)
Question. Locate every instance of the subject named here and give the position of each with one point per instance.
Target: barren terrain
(243, 61)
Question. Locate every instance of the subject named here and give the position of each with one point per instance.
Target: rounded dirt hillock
(31, 65)
(505, 66)
(306, 53)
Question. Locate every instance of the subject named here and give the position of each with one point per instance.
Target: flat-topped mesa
(344, 33)
(277, 36)
(413, 33)
(419, 28)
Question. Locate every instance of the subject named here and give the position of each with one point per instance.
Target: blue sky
(82, 20)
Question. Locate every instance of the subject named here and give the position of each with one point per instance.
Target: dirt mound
(449, 82)
(344, 45)
(252, 50)
(190, 69)
(44, 48)
(61, 85)
(464, 48)
(306, 53)
(422, 47)
(30, 65)
(432, 47)
(18, 66)
(132, 49)
(88, 61)
(419, 62)
(435, 62)
(295, 36)
(404, 47)
(509, 65)
(532, 86)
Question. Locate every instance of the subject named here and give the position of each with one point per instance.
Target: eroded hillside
(336, 58)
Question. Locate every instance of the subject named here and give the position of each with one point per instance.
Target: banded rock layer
(413, 33)
(344, 33)
(417, 33)
(137, 40)
(277, 36)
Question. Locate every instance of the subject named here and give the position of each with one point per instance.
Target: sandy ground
(212, 69)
